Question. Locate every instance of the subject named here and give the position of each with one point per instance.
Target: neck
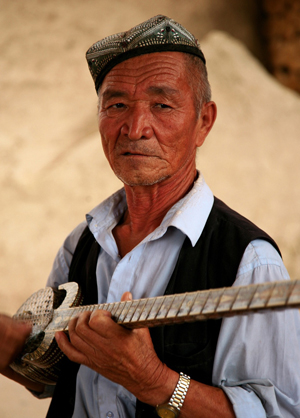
(147, 206)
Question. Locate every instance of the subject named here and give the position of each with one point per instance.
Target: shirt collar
(189, 214)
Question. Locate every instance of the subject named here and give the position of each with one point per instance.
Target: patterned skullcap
(160, 33)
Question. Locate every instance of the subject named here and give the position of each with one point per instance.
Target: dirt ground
(53, 170)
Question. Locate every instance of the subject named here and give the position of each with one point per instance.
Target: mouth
(134, 154)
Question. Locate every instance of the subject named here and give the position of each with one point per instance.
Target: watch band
(175, 403)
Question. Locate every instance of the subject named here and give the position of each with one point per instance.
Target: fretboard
(200, 305)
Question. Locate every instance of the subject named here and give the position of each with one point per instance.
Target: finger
(102, 324)
(99, 314)
(79, 321)
(12, 338)
(25, 329)
(13, 334)
(68, 349)
(83, 331)
(11, 326)
(79, 329)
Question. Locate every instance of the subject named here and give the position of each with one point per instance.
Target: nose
(137, 125)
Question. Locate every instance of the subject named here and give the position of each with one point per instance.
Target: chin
(140, 180)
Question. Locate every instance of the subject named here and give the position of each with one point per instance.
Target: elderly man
(165, 233)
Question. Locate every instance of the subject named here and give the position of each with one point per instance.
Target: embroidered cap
(160, 33)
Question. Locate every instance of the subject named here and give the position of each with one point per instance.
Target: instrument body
(46, 310)
(50, 310)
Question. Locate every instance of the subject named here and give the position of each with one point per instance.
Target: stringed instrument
(50, 310)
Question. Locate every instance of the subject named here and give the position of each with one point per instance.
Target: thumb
(126, 296)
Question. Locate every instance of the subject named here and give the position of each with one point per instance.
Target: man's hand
(124, 356)
(13, 335)
(127, 357)
(12, 338)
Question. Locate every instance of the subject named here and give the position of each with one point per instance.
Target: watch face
(166, 411)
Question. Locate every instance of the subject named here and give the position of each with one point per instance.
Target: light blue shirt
(257, 361)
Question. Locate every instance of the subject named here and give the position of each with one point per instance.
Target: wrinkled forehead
(155, 72)
(158, 64)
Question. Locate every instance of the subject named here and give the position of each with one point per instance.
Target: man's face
(147, 119)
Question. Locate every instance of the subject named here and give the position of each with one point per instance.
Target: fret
(280, 294)
(294, 298)
(131, 311)
(187, 304)
(84, 308)
(97, 307)
(244, 298)
(119, 311)
(139, 309)
(212, 301)
(104, 307)
(175, 306)
(227, 299)
(93, 308)
(124, 311)
(147, 308)
(199, 302)
(155, 308)
(261, 296)
(111, 307)
(165, 307)
(115, 308)
(72, 312)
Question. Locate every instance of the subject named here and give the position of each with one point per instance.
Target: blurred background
(53, 170)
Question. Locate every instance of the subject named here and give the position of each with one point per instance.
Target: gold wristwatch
(172, 408)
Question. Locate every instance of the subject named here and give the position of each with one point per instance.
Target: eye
(162, 106)
(117, 106)
(115, 109)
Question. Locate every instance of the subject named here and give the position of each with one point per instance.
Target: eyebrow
(111, 94)
(162, 90)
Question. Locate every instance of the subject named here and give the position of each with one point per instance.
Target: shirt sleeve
(257, 361)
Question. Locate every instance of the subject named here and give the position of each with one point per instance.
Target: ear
(206, 120)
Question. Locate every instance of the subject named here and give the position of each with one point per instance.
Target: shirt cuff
(246, 404)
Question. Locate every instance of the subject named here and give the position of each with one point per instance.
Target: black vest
(190, 347)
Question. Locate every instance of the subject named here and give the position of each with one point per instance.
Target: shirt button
(110, 414)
